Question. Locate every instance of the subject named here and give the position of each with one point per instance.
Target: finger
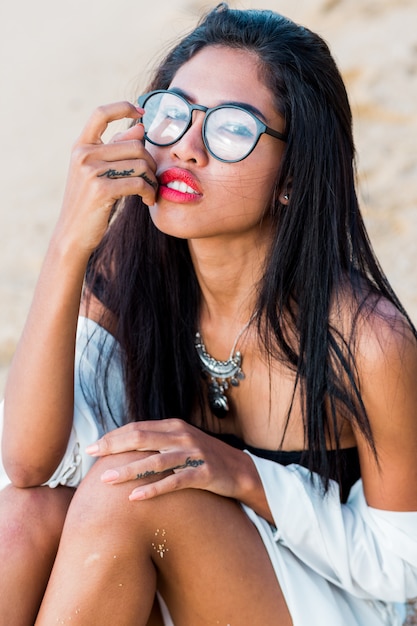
(153, 466)
(121, 187)
(120, 151)
(134, 132)
(103, 115)
(140, 435)
(130, 169)
(173, 482)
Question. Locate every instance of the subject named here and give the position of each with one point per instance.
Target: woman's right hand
(102, 173)
(39, 395)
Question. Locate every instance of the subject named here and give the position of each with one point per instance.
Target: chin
(171, 222)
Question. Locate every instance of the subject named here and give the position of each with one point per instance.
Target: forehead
(218, 74)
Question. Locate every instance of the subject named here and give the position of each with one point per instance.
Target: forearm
(39, 391)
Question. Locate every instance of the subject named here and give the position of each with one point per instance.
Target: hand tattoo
(148, 180)
(116, 174)
(188, 463)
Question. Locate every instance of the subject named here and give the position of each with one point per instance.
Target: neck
(228, 273)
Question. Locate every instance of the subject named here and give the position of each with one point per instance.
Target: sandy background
(59, 60)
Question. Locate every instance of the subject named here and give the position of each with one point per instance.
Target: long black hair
(147, 280)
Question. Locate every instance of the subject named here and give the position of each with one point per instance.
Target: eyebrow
(242, 105)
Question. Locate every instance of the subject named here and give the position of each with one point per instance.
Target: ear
(284, 197)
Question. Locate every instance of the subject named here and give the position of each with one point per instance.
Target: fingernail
(92, 449)
(110, 475)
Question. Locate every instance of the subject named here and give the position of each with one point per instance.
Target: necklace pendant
(220, 374)
(217, 399)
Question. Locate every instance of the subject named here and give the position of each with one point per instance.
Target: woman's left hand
(182, 455)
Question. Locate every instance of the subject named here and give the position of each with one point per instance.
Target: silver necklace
(220, 374)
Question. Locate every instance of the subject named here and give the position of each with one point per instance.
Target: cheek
(257, 185)
(258, 173)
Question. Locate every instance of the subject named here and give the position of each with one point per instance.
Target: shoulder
(384, 348)
(380, 340)
(373, 327)
(385, 344)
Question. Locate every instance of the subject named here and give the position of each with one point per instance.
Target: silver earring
(286, 196)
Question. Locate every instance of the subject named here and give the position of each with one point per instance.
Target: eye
(232, 124)
(236, 129)
(173, 112)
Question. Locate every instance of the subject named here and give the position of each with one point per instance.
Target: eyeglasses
(230, 132)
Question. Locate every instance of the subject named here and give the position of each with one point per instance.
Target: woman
(273, 482)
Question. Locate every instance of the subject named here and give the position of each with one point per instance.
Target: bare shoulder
(373, 327)
(386, 361)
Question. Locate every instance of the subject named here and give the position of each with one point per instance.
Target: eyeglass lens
(229, 132)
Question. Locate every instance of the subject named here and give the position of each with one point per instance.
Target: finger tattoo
(148, 180)
(189, 462)
(116, 173)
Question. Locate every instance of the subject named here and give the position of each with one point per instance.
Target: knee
(32, 516)
(99, 507)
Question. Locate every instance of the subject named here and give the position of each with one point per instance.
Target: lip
(181, 177)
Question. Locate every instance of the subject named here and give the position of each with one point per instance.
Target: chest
(265, 408)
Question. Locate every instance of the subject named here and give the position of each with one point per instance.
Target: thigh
(200, 550)
(212, 564)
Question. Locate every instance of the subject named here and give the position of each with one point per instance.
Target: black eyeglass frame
(260, 126)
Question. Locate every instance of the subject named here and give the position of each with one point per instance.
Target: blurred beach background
(60, 60)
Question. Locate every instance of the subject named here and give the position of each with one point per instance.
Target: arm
(39, 397)
(387, 362)
(369, 545)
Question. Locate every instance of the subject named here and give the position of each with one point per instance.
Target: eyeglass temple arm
(275, 133)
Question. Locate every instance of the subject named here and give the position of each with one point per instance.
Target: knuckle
(136, 438)
(159, 463)
(207, 473)
(186, 440)
(105, 447)
(138, 147)
(80, 154)
(176, 482)
(101, 112)
(128, 472)
(177, 423)
(152, 490)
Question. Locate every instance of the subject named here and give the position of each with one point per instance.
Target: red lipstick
(179, 185)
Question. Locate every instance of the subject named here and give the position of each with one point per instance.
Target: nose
(191, 148)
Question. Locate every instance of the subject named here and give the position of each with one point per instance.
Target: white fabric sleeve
(93, 343)
(368, 552)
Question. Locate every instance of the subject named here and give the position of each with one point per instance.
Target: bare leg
(31, 522)
(199, 549)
